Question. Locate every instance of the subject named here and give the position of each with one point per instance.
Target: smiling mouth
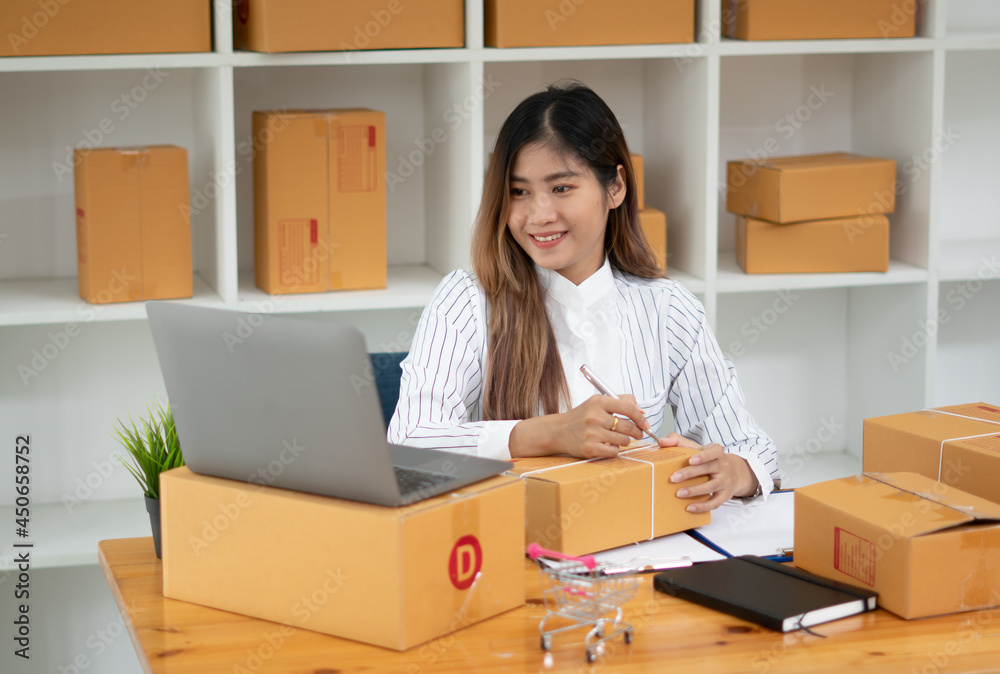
(551, 237)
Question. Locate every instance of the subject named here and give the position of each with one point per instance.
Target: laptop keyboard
(412, 480)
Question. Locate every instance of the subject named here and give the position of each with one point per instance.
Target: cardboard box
(817, 19)
(654, 225)
(926, 548)
(133, 230)
(319, 200)
(638, 166)
(394, 577)
(562, 23)
(322, 25)
(581, 506)
(958, 445)
(835, 245)
(811, 187)
(53, 27)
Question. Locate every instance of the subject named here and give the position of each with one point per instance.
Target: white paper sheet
(659, 549)
(761, 529)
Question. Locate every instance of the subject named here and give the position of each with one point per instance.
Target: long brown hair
(524, 373)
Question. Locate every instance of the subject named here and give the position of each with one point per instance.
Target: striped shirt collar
(561, 289)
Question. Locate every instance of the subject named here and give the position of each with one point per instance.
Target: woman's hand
(728, 474)
(598, 427)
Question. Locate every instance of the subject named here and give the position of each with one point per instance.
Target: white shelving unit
(816, 353)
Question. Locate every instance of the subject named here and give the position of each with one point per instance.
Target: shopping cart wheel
(591, 655)
(628, 635)
(599, 629)
(546, 642)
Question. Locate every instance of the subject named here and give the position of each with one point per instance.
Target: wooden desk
(671, 635)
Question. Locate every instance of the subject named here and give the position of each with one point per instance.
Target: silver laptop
(291, 402)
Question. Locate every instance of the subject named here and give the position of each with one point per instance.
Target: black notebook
(774, 595)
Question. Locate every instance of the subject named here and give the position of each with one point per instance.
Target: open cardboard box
(925, 547)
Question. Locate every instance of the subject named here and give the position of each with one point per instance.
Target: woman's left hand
(728, 474)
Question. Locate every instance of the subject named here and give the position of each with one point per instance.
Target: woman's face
(558, 211)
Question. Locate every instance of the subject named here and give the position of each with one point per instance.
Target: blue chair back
(387, 376)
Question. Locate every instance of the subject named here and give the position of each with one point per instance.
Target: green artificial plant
(152, 447)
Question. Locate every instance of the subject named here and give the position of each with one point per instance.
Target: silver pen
(603, 388)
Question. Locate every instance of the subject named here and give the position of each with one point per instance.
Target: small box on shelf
(133, 230)
(321, 25)
(530, 23)
(76, 27)
(834, 245)
(654, 226)
(817, 19)
(638, 167)
(811, 187)
(320, 200)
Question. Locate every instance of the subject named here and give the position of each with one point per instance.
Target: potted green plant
(152, 447)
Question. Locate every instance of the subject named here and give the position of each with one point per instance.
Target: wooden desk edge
(122, 606)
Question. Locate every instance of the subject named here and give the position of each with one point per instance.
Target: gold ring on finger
(614, 424)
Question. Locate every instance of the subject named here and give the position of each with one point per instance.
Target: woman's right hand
(589, 430)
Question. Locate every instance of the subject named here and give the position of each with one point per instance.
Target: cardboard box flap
(971, 508)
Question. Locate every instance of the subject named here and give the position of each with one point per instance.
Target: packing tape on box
(967, 437)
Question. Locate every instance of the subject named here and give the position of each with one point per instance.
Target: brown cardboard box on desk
(562, 23)
(325, 25)
(133, 232)
(811, 187)
(54, 27)
(319, 200)
(393, 577)
(927, 549)
(578, 506)
(817, 19)
(958, 445)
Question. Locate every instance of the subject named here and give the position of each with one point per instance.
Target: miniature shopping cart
(575, 588)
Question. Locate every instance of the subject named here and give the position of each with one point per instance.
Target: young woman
(563, 276)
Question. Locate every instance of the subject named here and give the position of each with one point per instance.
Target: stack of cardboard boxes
(921, 525)
(812, 213)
